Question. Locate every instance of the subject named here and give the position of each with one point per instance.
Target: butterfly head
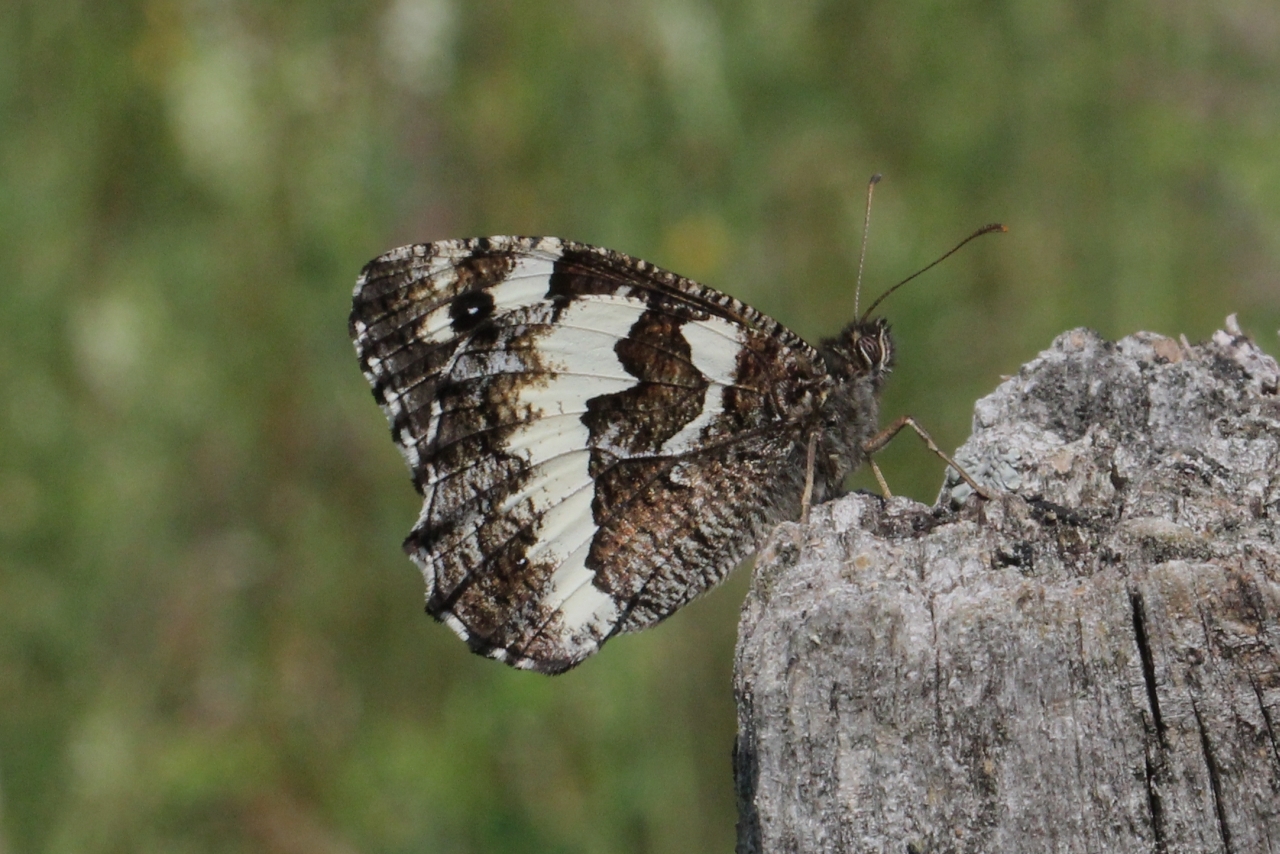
(863, 350)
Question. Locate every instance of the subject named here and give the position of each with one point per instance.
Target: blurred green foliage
(209, 639)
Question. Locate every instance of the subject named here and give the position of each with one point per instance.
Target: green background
(209, 638)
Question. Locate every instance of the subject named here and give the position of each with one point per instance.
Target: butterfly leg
(807, 498)
(877, 442)
(884, 484)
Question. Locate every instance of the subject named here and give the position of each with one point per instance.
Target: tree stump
(1090, 662)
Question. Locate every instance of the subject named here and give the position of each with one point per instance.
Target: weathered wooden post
(1089, 663)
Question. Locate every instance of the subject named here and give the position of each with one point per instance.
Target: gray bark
(1090, 662)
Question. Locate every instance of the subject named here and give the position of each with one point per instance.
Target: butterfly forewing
(596, 440)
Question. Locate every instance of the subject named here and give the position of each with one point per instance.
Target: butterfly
(597, 441)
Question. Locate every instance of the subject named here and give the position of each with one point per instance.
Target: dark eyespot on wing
(469, 310)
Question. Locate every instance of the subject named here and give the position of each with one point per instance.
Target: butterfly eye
(871, 351)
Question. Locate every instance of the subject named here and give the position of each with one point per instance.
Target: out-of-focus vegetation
(209, 639)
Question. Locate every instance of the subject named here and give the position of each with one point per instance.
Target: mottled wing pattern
(596, 440)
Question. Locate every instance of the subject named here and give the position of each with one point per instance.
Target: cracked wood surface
(1089, 663)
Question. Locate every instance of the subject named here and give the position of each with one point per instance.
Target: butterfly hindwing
(596, 440)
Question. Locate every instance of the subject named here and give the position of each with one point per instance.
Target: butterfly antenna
(866, 229)
(986, 229)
